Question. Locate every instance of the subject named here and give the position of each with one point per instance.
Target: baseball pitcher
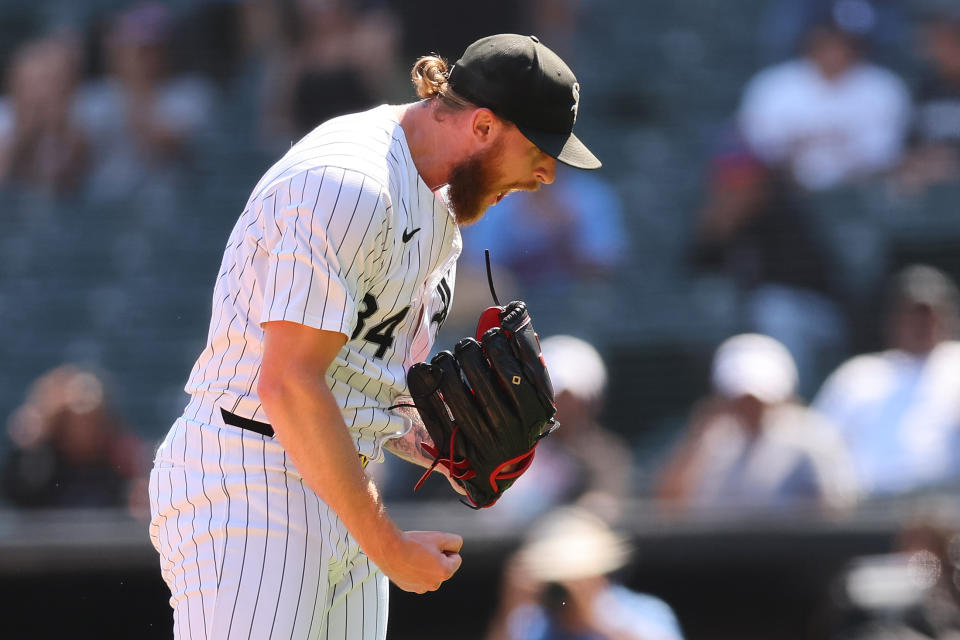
(333, 284)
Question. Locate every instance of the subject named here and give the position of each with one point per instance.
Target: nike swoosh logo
(409, 234)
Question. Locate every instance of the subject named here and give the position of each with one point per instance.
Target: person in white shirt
(751, 447)
(142, 119)
(584, 463)
(899, 409)
(562, 585)
(829, 117)
(42, 144)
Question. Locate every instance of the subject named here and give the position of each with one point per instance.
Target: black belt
(262, 428)
(256, 426)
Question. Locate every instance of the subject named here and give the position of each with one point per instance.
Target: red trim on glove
(458, 469)
(489, 319)
(497, 473)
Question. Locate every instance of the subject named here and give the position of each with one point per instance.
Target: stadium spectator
(912, 593)
(899, 409)
(560, 245)
(559, 587)
(141, 118)
(543, 237)
(41, 145)
(828, 117)
(783, 24)
(582, 462)
(69, 448)
(754, 229)
(751, 446)
(324, 59)
(935, 155)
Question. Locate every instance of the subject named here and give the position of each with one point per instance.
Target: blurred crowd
(113, 112)
(835, 368)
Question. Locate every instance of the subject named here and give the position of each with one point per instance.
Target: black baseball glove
(486, 405)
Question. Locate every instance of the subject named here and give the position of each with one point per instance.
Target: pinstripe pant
(248, 550)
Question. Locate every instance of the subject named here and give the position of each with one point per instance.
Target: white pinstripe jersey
(341, 234)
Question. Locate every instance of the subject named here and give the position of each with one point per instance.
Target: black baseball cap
(521, 80)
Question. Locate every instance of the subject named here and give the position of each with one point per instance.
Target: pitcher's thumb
(452, 561)
(450, 543)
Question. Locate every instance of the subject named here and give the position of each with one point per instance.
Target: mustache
(532, 185)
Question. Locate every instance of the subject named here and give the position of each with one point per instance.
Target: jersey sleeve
(320, 247)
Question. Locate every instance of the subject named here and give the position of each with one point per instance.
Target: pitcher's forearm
(407, 447)
(310, 426)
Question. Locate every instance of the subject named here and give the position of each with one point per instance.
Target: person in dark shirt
(935, 138)
(69, 446)
(753, 230)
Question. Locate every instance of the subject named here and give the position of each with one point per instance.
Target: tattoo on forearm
(408, 447)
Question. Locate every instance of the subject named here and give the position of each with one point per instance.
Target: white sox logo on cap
(576, 101)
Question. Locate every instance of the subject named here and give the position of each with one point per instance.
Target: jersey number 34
(380, 334)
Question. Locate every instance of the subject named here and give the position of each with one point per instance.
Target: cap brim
(566, 148)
